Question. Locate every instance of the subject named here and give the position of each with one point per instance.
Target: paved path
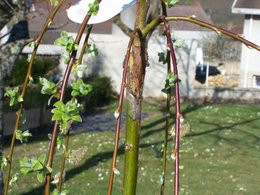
(102, 121)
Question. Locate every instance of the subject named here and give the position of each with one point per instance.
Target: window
(256, 81)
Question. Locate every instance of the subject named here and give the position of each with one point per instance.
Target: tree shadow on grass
(89, 163)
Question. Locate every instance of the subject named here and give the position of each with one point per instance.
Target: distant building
(250, 58)
(112, 43)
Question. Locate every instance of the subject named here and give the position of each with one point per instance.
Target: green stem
(167, 127)
(118, 120)
(135, 80)
(27, 77)
(64, 157)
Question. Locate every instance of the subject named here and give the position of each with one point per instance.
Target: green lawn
(219, 156)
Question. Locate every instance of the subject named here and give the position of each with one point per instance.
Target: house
(250, 58)
(112, 44)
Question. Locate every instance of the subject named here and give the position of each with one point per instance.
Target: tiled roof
(184, 10)
(246, 7)
(61, 21)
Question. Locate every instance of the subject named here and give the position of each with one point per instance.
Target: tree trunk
(135, 79)
(1, 129)
(8, 55)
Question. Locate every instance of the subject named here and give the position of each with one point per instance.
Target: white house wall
(112, 50)
(111, 55)
(250, 58)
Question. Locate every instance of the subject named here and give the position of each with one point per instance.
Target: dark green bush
(40, 68)
(102, 92)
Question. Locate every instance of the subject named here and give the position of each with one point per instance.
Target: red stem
(118, 120)
(63, 89)
(177, 106)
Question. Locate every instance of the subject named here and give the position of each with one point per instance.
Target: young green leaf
(169, 82)
(3, 162)
(54, 2)
(79, 69)
(79, 88)
(13, 94)
(92, 49)
(40, 176)
(178, 42)
(48, 87)
(172, 3)
(65, 114)
(22, 135)
(93, 8)
(13, 179)
(162, 57)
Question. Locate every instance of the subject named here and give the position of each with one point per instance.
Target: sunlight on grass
(219, 156)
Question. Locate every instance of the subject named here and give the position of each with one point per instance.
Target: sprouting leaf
(29, 57)
(60, 143)
(22, 135)
(3, 162)
(170, 81)
(116, 114)
(116, 171)
(48, 87)
(63, 192)
(93, 8)
(162, 57)
(65, 114)
(67, 41)
(178, 42)
(31, 44)
(78, 70)
(13, 179)
(172, 3)
(40, 176)
(54, 2)
(13, 94)
(56, 178)
(79, 88)
(92, 49)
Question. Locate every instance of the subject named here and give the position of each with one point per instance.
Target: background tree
(13, 19)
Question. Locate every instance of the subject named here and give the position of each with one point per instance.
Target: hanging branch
(191, 19)
(27, 78)
(119, 115)
(167, 118)
(177, 106)
(62, 92)
(67, 135)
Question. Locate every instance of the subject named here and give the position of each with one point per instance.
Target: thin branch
(119, 110)
(62, 96)
(117, 20)
(27, 77)
(64, 157)
(177, 106)
(191, 19)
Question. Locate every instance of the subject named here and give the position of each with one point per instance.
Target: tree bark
(135, 80)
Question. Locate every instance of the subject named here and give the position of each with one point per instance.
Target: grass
(220, 155)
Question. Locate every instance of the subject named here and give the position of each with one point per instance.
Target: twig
(155, 22)
(85, 45)
(62, 92)
(119, 110)
(177, 106)
(27, 77)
